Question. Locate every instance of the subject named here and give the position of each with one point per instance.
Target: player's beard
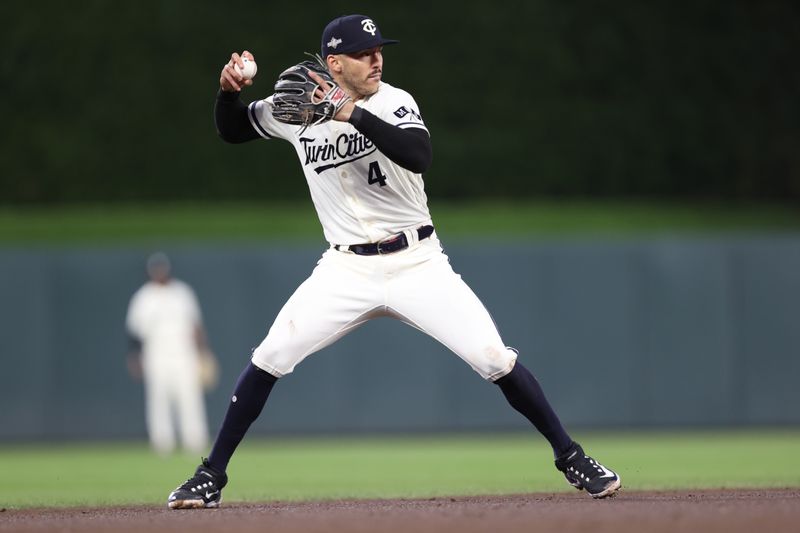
(359, 87)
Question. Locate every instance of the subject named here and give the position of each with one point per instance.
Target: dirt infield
(650, 512)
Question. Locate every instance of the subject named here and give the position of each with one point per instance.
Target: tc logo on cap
(369, 26)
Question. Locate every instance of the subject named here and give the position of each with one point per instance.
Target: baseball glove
(295, 101)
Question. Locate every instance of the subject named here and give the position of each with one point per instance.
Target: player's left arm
(408, 147)
(196, 316)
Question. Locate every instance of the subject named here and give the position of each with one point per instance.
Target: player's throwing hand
(229, 79)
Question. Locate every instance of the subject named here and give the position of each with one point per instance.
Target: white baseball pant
(415, 285)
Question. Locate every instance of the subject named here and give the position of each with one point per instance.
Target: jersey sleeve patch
(404, 111)
(398, 108)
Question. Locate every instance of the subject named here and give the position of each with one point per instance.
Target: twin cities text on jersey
(345, 148)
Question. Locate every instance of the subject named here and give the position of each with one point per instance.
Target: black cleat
(201, 491)
(583, 472)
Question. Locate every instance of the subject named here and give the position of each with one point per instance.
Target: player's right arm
(230, 113)
(133, 325)
(229, 79)
(237, 122)
(230, 118)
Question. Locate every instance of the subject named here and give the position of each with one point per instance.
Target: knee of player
(276, 360)
(496, 362)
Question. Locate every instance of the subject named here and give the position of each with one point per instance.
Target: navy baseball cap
(351, 33)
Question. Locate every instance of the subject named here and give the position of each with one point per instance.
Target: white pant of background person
(174, 401)
(416, 285)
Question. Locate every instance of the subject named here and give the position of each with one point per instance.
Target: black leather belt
(387, 246)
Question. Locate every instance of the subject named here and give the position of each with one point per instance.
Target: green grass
(109, 225)
(389, 467)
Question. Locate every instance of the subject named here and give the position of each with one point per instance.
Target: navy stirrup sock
(247, 401)
(525, 395)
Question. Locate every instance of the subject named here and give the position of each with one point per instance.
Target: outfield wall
(629, 333)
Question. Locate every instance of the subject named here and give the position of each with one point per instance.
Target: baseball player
(166, 329)
(364, 146)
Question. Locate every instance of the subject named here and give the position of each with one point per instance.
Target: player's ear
(334, 65)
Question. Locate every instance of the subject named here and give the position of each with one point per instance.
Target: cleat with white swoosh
(201, 491)
(583, 472)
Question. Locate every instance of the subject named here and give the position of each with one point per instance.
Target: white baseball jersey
(164, 317)
(360, 195)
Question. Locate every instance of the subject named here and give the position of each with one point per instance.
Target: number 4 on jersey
(375, 175)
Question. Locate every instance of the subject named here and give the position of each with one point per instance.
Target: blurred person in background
(169, 352)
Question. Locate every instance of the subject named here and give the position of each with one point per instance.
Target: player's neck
(352, 93)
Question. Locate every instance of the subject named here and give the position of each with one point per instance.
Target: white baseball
(249, 70)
